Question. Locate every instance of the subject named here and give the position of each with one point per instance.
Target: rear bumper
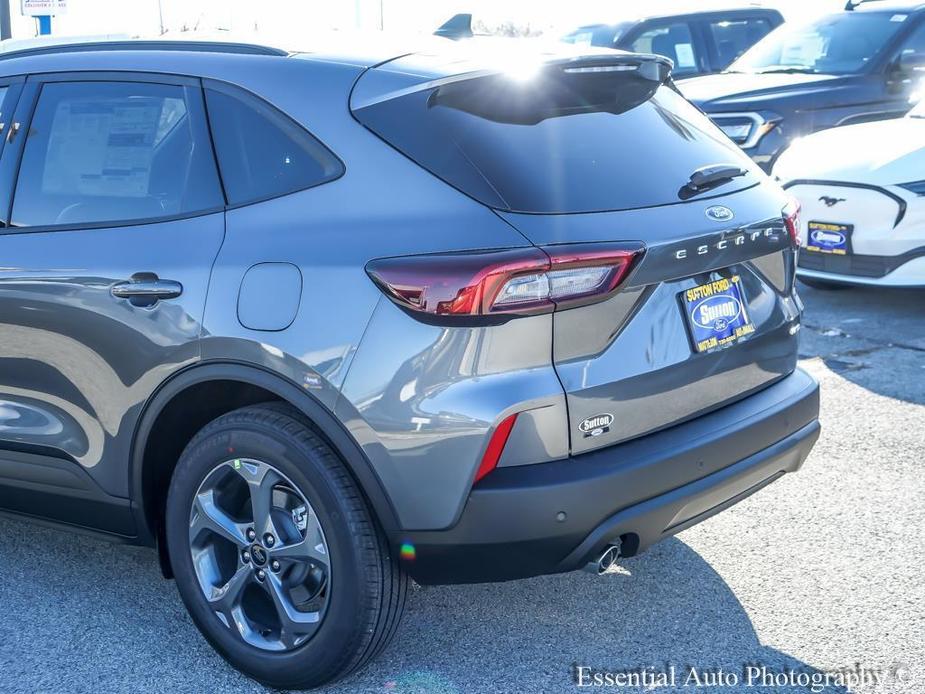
(554, 517)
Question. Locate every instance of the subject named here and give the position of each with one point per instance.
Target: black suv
(698, 43)
(850, 67)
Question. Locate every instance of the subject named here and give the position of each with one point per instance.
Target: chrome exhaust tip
(607, 559)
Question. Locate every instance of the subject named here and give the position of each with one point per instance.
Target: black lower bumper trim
(554, 517)
(866, 266)
(643, 525)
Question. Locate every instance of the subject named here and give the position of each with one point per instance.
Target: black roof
(695, 11)
(886, 6)
(139, 45)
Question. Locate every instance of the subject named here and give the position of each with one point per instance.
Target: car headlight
(917, 187)
(745, 129)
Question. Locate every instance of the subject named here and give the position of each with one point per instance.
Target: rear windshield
(556, 143)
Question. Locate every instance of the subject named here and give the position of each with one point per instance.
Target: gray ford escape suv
(313, 324)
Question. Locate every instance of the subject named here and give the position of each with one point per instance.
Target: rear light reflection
(791, 214)
(523, 281)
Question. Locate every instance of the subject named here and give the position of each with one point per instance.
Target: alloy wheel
(260, 554)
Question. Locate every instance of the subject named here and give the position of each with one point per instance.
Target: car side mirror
(909, 64)
(906, 71)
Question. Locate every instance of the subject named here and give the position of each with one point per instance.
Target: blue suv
(863, 64)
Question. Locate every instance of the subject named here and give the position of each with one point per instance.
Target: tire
(354, 589)
(824, 285)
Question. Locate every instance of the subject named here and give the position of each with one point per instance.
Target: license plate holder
(828, 238)
(716, 313)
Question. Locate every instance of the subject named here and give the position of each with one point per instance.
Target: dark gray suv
(314, 324)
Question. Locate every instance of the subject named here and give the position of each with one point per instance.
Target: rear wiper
(709, 176)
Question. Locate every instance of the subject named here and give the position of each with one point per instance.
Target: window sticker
(685, 53)
(102, 147)
(898, 18)
(803, 49)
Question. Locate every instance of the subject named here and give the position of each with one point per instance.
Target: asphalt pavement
(821, 572)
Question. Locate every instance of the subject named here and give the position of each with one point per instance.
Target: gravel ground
(820, 572)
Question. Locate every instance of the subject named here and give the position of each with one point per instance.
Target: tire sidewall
(331, 644)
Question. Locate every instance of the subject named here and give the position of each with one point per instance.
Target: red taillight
(523, 281)
(495, 447)
(791, 213)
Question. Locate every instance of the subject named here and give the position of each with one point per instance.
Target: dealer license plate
(824, 237)
(716, 313)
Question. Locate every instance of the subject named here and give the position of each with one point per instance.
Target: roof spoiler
(651, 68)
(567, 87)
(457, 27)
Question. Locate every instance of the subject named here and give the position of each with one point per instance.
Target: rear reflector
(523, 281)
(495, 447)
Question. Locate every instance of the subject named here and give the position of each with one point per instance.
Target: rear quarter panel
(419, 399)
(382, 206)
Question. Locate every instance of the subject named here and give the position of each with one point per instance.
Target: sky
(143, 17)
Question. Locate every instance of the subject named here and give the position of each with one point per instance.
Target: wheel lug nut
(251, 534)
(246, 556)
(274, 565)
(269, 540)
(261, 575)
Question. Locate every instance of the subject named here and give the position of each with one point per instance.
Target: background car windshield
(604, 35)
(836, 45)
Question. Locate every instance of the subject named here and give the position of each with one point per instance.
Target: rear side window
(3, 91)
(115, 151)
(913, 48)
(672, 41)
(577, 142)
(4, 115)
(263, 153)
(733, 38)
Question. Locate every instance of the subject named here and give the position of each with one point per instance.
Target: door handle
(146, 289)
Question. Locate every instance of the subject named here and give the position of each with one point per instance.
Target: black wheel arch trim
(321, 417)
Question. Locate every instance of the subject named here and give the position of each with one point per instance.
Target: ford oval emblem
(718, 213)
(596, 425)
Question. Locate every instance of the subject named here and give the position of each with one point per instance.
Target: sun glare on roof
(522, 71)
